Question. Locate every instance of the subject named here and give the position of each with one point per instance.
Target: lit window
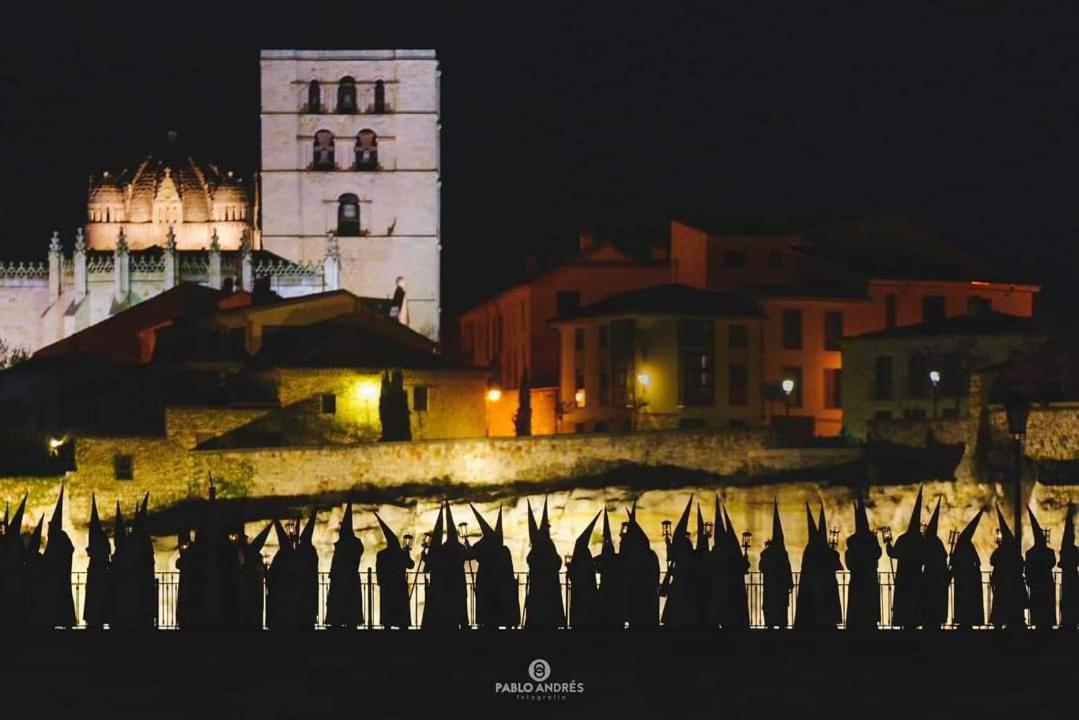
(348, 215)
(346, 95)
(323, 153)
(366, 150)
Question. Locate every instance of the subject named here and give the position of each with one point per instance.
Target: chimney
(587, 239)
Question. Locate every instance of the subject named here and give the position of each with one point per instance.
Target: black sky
(963, 119)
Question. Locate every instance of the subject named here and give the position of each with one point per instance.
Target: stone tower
(350, 146)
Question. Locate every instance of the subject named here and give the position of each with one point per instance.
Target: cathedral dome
(104, 191)
(230, 190)
(168, 177)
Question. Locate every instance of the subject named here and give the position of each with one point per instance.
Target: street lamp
(934, 381)
(624, 529)
(788, 388)
(462, 528)
(1018, 410)
(666, 525)
(833, 538)
(708, 529)
(408, 543)
(746, 539)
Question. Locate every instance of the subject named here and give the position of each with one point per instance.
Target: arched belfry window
(380, 96)
(323, 152)
(346, 95)
(348, 215)
(314, 97)
(366, 150)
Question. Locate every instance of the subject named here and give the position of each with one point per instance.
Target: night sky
(964, 120)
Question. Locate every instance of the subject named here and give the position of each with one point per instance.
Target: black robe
(775, 566)
(391, 569)
(863, 595)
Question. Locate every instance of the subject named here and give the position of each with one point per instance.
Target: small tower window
(323, 155)
(348, 215)
(380, 97)
(366, 150)
(314, 97)
(346, 95)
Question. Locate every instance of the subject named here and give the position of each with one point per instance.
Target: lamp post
(788, 388)
(408, 543)
(666, 525)
(934, 381)
(623, 530)
(1018, 411)
(833, 538)
(746, 540)
(708, 529)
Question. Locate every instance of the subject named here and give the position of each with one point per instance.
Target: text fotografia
(540, 689)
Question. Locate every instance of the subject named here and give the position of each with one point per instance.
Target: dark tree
(522, 419)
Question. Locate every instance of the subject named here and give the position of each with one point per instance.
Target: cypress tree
(522, 419)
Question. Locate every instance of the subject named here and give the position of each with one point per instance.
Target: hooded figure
(775, 567)
(145, 576)
(680, 583)
(584, 609)
(14, 572)
(862, 556)
(1009, 590)
(344, 601)
(36, 601)
(966, 572)
(56, 566)
(543, 597)
(640, 566)
(252, 601)
(829, 585)
(736, 567)
(935, 578)
(496, 584)
(307, 577)
(281, 600)
(909, 552)
(1039, 565)
(96, 607)
(446, 606)
(1069, 575)
(392, 564)
(701, 581)
(807, 612)
(612, 590)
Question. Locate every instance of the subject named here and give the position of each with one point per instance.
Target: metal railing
(168, 585)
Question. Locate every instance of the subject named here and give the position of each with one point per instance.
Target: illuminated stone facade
(350, 146)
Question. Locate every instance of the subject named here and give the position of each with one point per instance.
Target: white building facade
(350, 147)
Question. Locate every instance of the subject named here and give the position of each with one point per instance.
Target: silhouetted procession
(223, 580)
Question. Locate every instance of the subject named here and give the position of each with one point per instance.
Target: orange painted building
(820, 285)
(510, 332)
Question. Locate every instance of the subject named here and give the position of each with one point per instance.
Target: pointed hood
(308, 534)
(118, 527)
(822, 526)
(346, 530)
(812, 526)
(732, 537)
(717, 523)
(967, 535)
(533, 528)
(1067, 540)
(682, 528)
(1036, 529)
(777, 525)
(861, 518)
(498, 526)
(934, 521)
(702, 537)
(97, 541)
(260, 539)
(545, 523)
(585, 537)
(451, 528)
(485, 528)
(16, 520)
(608, 539)
(34, 546)
(915, 524)
(391, 538)
(436, 532)
(56, 523)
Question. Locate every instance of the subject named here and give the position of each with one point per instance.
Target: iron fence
(168, 585)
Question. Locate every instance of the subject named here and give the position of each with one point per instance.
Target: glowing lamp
(494, 394)
(666, 525)
(463, 529)
(644, 379)
(368, 391)
(623, 530)
(886, 534)
(788, 386)
(934, 377)
(579, 397)
(746, 539)
(708, 529)
(408, 543)
(833, 538)
(55, 443)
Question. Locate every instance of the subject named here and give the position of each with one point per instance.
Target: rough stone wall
(190, 426)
